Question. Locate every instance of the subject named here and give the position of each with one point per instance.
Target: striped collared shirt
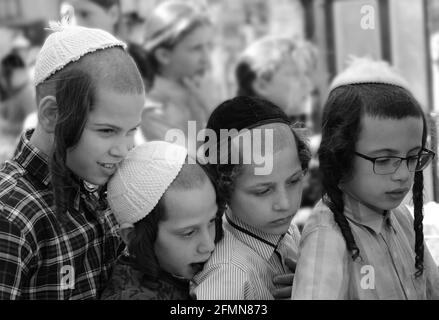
(386, 269)
(40, 258)
(244, 263)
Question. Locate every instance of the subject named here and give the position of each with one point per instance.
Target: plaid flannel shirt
(40, 257)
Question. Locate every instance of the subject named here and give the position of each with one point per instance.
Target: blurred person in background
(178, 42)
(276, 68)
(107, 15)
(17, 95)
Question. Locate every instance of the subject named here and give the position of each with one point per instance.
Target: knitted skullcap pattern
(365, 70)
(67, 44)
(142, 179)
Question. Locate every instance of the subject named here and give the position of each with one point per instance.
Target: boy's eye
(262, 192)
(106, 131)
(132, 132)
(188, 234)
(294, 181)
(382, 161)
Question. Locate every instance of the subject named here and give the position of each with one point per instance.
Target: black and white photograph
(236, 152)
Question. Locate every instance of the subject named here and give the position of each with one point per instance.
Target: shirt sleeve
(321, 271)
(432, 274)
(431, 269)
(15, 255)
(226, 282)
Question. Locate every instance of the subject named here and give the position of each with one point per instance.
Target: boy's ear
(48, 114)
(127, 234)
(163, 55)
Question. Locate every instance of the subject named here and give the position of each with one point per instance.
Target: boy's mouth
(397, 193)
(109, 166)
(283, 220)
(197, 267)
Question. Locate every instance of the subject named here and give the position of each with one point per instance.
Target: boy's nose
(402, 173)
(207, 244)
(283, 201)
(120, 150)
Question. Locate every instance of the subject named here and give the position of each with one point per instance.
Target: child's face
(107, 136)
(269, 202)
(384, 137)
(288, 87)
(191, 56)
(185, 239)
(91, 15)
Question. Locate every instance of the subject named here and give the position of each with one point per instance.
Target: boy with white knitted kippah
(58, 239)
(169, 219)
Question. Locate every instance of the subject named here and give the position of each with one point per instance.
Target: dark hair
(74, 88)
(245, 77)
(341, 127)
(142, 239)
(226, 174)
(106, 4)
(246, 112)
(140, 57)
(9, 63)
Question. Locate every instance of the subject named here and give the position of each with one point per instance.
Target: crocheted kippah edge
(76, 58)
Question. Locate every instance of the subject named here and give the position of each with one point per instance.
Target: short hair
(75, 89)
(191, 176)
(112, 68)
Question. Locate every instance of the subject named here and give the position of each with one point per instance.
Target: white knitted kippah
(365, 70)
(142, 179)
(69, 43)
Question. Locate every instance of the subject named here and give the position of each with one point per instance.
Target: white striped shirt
(244, 263)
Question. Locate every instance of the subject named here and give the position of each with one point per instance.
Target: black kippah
(245, 113)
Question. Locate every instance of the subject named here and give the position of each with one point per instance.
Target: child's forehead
(390, 134)
(261, 145)
(274, 136)
(284, 163)
(181, 207)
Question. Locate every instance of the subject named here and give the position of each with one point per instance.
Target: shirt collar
(360, 213)
(32, 159)
(263, 243)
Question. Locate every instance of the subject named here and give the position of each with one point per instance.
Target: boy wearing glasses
(361, 242)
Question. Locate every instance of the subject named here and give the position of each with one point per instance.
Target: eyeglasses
(390, 164)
